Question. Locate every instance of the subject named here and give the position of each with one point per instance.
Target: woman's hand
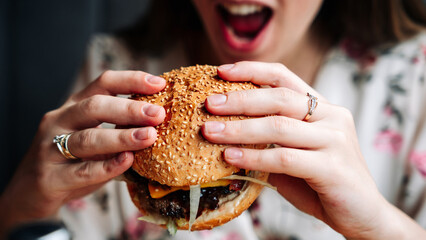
(45, 180)
(318, 166)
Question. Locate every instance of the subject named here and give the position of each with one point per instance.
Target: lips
(242, 24)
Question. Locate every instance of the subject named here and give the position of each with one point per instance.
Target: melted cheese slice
(156, 191)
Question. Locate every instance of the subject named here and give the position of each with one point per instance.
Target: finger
(298, 193)
(97, 141)
(89, 173)
(294, 162)
(122, 82)
(94, 110)
(267, 101)
(270, 74)
(276, 129)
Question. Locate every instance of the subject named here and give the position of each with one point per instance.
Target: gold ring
(312, 105)
(62, 144)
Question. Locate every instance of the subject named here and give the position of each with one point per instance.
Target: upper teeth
(242, 9)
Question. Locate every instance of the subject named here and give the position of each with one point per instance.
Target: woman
(367, 59)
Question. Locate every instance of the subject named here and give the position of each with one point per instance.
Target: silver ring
(312, 105)
(62, 144)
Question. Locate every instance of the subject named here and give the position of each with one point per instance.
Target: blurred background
(42, 46)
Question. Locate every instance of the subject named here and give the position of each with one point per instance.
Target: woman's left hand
(318, 166)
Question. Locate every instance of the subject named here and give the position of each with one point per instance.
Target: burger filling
(174, 202)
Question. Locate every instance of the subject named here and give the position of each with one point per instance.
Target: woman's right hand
(45, 180)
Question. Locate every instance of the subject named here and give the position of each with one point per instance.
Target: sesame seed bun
(181, 156)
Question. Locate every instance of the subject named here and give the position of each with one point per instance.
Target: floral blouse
(385, 90)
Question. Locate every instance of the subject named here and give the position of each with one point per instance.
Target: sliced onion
(153, 219)
(194, 198)
(250, 179)
(171, 227)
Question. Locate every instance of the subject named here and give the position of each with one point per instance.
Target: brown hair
(369, 22)
(372, 22)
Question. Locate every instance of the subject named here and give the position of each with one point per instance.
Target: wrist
(391, 224)
(16, 210)
(15, 216)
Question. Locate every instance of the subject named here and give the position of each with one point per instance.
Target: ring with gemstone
(62, 144)
(312, 105)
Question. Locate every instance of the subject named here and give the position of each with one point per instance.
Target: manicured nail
(226, 67)
(233, 154)
(120, 158)
(217, 100)
(151, 110)
(141, 134)
(154, 79)
(214, 127)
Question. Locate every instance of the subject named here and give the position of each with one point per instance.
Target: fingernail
(233, 154)
(154, 79)
(216, 100)
(151, 110)
(214, 127)
(141, 134)
(226, 67)
(120, 158)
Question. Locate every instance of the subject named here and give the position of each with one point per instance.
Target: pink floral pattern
(419, 160)
(389, 141)
(232, 236)
(359, 52)
(76, 205)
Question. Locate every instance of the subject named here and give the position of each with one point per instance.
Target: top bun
(181, 156)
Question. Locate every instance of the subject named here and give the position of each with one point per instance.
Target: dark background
(42, 46)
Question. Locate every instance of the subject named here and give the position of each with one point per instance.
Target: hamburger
(182, 180)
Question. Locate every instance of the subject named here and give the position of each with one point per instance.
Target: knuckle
(136, 76)
(125, 138)
(346, 118)
(49, 115)
(233, 128)
(91, 104)
(134, 109)
(339, 136)
(105, 76)
(279, 66)
(346, 114)
(47, 119)
(107, 168)
(285, 159)
(283, 94)
(84, 141)
(237, 97)
(280, 124)
(280, 72)
(84, 171)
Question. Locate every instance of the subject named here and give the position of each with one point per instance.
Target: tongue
(246, 25)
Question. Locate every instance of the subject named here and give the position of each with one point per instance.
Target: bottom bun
(229, 207)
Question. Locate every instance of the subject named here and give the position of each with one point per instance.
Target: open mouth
(245, 21)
